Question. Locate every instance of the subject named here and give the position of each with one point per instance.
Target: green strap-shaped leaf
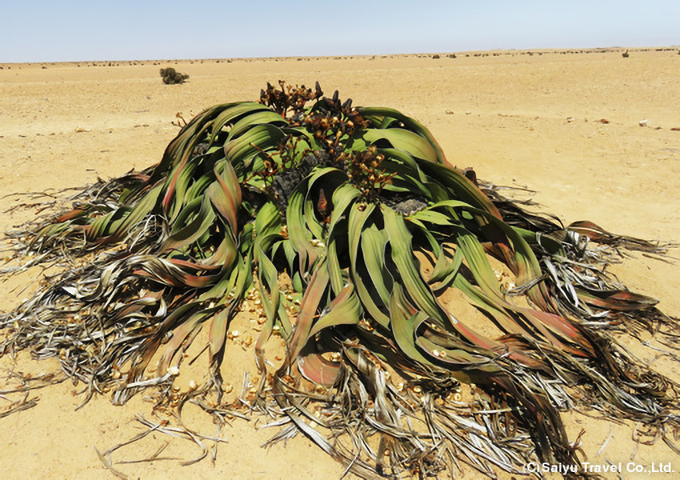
(101, 227)
(259, 138)
(402, 139)
(343, 198)
(373, 244)
(268, 276)
(225, 193)
(432, 216)
(403, 325)
(402, 255)
(345, 309)
(526, 261)
(180, 198)
(409, 123)
(308, 307)
(271, 300)
(460, 187)
(181, 147)
(407, 164)
(221, 283)
(359, 216)
(298, 231)
(268, 220)
(479, 263)
(260, 117)
(193, 229)
(309, 208)
(444, 270)
(557, 330)
(231, 113)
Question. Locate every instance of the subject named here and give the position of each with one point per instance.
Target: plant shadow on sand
(427, 318)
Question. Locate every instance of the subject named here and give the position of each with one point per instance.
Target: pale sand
(518, 119)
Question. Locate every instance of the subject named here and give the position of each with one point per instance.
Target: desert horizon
(588, 134)
(439, 54)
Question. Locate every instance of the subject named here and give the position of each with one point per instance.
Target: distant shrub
(172, 76)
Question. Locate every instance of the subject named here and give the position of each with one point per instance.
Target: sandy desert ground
(596, 135)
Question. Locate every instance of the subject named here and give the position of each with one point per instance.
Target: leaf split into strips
(357, 210)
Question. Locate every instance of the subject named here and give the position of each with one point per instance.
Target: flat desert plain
(594, 134)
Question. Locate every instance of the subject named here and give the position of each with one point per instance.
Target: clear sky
(75, 30)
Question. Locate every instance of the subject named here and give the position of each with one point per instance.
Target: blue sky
(70, 30)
